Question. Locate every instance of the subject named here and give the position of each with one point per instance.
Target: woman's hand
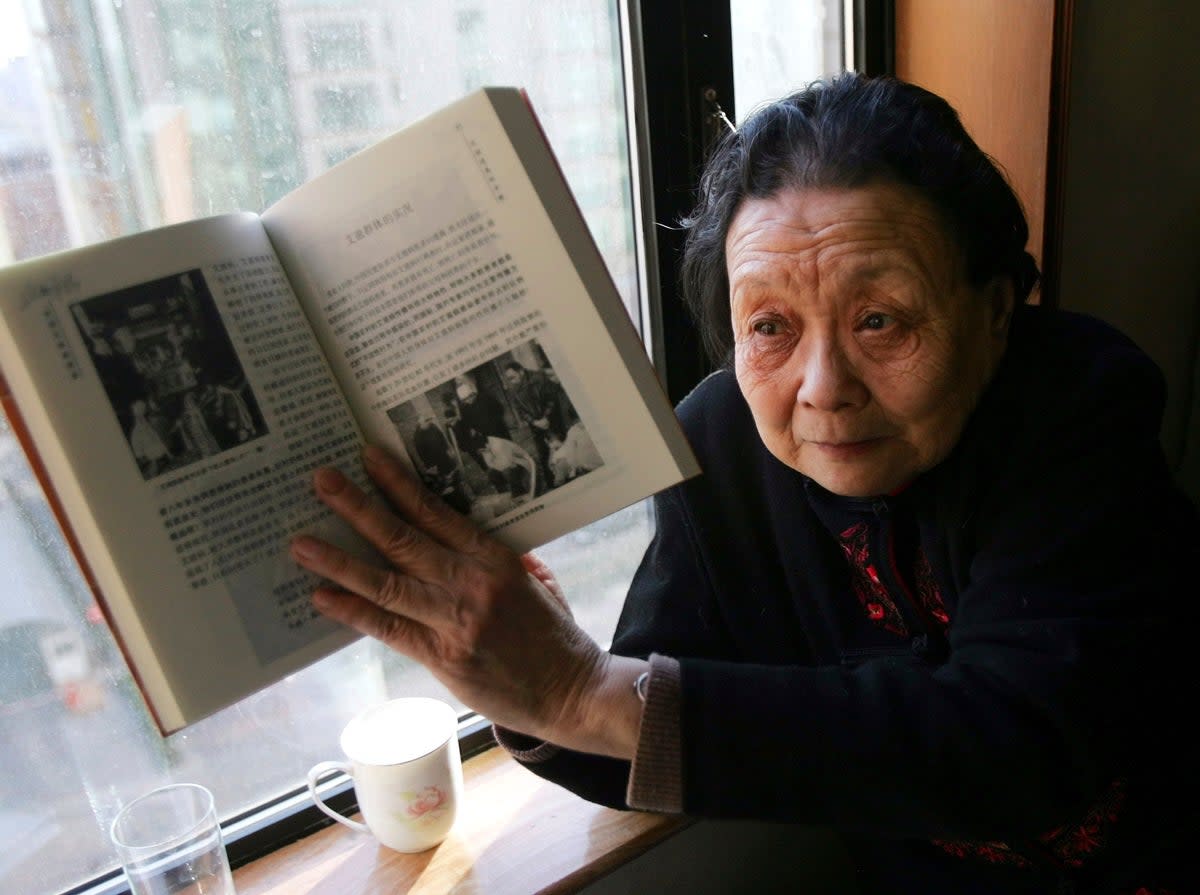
(494, 627)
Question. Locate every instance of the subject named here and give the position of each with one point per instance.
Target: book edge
(42, 474)
(513, 107)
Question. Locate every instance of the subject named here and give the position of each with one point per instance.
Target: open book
(438, 294)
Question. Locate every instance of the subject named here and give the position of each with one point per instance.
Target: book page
(474, 334)
(179, 401)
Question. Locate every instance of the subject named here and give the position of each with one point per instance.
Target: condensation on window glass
(347, 108)
(780, 46)
(338, 46)
(121, 115)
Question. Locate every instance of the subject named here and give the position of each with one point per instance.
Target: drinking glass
(169, 842)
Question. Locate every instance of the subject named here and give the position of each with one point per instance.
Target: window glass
(338, 46)
(120, 116)
(346, 107)
(780, 45)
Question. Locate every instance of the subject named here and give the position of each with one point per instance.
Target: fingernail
(373, 454)
(328, 480)
(305, 547)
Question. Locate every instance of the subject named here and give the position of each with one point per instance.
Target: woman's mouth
(845, 449)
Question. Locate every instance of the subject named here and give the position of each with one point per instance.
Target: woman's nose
(827, 380)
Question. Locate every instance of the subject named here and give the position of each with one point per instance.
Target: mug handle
(315, 773)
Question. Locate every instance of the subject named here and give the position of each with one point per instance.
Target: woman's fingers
(539, 570)
(418, 505)
(390, 592)
(449, 596)
(404, 635)
(404, 544)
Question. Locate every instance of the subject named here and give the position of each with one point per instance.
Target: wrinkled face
(858, 343)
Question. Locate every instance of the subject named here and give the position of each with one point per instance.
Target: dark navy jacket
(984, 680)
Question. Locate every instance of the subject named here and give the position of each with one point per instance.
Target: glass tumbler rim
(206, 807)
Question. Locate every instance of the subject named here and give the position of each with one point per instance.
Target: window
(346, 108)
(339, 153)
(117, 117)
(338, 46)
(779, 46)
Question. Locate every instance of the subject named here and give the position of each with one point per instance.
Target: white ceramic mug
(404, 760)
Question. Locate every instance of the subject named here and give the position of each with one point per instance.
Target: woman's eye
(878, 321)
(766, 328)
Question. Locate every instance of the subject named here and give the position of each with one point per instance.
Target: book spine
(21, 431)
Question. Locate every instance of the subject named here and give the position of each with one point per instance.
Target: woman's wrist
(608, 710)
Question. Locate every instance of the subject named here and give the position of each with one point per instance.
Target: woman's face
(858, 343)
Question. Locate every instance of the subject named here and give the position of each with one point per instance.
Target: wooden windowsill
(515, 834)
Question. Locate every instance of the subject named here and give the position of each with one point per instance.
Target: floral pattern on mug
(426, 805)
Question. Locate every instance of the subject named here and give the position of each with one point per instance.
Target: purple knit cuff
(656, 775)
(656, 778)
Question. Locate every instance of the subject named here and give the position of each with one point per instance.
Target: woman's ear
(1001, 298)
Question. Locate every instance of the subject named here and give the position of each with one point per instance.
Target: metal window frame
(871, 27)
(683, 61)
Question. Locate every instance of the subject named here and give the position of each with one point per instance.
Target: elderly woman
(932, 588)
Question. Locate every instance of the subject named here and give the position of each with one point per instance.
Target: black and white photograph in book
(498, 435)
(170, 372)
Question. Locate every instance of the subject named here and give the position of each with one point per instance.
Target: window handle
(716, 124)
